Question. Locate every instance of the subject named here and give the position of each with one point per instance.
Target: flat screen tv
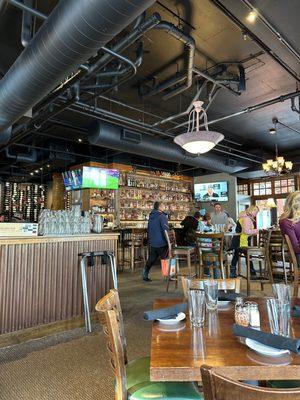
(72, 179)
(100, 178)
(213, 191)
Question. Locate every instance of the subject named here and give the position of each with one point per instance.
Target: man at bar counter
(157, 225)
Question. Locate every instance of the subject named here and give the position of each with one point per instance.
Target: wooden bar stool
(187, 253)
(135, 243)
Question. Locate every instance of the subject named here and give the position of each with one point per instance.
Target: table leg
(188, 256)
(248, 273)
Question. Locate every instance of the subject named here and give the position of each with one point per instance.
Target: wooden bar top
(177, 353)
(56, 239)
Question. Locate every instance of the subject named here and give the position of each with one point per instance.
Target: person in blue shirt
(157, 225)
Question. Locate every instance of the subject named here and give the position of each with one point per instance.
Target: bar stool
(136, 243)
(105, 255)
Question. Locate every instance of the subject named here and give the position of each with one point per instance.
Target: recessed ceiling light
(251, 17)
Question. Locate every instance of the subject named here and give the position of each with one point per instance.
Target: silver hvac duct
(73, 32)
(116, 138)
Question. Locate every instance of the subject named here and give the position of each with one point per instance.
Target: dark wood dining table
(178, 352)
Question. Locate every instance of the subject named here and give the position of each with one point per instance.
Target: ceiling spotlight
(79, 140)
(48, 165)
(41, 169)
(36, 171)
(31, 173)
(272, 131)
(245, 36)
(251, 17)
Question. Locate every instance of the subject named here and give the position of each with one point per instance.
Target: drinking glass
(198, 342)
(211, 294)
(282, 292)
(279, 313)
(196, 299)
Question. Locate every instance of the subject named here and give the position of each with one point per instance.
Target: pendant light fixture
(194, 140)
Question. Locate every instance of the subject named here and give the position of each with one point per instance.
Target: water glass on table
(282, 292)
(279, 313)
(196, 299)
(211, 294)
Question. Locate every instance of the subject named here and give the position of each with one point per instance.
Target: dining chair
(280, 263)
(133, 378)
(294, 264)
(232, 284)
(259, 253)
(216, 254)
(187, 253)
(218, 387)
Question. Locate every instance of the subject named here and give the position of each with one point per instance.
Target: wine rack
(24, 200)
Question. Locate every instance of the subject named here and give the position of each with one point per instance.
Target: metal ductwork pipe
(22, 157)
(73, 33)
(116, 138)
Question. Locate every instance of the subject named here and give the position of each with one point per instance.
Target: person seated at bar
(290, 222)
(189, 227)
(206, 244)
(157, 225)
(246, 227)
(218, 216)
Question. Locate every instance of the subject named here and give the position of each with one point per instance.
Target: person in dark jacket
(189, 227)
(157, 225)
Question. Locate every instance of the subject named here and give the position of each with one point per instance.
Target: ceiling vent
(130, 136)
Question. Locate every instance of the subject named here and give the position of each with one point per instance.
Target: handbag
(168, 267)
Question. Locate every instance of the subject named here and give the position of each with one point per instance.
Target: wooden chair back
(279, 262)
(171, 239)
(111, 301)
(138, 234)
(232, 284)
(294, 262)
(217, 387)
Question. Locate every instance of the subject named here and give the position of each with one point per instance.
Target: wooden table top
(178, 355)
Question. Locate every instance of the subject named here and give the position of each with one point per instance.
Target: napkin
(164, 313)
(268, 339)
(227, 296)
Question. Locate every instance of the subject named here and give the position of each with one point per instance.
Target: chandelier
(194, 140)
(278, 166)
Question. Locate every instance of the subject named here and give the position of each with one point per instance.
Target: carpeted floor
(74, 365)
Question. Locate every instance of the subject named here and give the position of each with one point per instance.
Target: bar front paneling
(40, 279)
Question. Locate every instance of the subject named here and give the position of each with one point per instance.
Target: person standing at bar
(157, 225)
(218, 216)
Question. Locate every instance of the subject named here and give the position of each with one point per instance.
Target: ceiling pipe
(30, 10)
(100, 61)
(250, 109)
(256, 39)
(22, 157)
(279, 36)
(112, 136)
(72, 33)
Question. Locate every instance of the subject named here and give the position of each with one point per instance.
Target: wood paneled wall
(41, 282)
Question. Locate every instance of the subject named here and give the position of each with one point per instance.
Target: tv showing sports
(72, 179)
(100, 178)
(214, 191)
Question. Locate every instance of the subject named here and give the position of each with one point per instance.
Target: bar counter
(40, 278)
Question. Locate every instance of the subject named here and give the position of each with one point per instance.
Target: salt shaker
(254, 317)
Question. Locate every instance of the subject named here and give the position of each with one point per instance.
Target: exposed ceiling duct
(22, 157)
(73, 33)
(114, 137)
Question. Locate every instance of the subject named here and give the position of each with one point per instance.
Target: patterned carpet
(74, 365)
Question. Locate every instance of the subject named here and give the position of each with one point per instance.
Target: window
(243, 189)
(262, 188)
(284, 186)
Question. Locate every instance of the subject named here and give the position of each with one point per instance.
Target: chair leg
(189, 265)
(248, 274)
(132, 257)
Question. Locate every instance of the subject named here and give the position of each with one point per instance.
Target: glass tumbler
(279, 313)
(196, 299)
(211, 294)
(282, 292)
